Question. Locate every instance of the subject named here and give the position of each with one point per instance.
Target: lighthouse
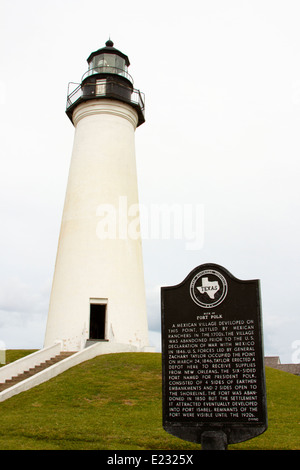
(98, 291)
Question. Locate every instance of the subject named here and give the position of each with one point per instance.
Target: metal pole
(213, 440)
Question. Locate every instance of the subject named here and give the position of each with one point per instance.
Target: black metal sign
(213, 363)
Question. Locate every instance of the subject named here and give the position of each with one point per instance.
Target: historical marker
(213, 364)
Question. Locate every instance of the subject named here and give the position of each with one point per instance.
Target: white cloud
(17, 296)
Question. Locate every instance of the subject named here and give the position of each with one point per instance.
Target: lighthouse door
(97, 321)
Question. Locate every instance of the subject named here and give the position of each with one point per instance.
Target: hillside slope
(113, 402)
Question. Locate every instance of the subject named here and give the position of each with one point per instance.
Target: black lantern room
(107, 77)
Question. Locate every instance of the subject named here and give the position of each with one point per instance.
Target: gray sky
(222, 86)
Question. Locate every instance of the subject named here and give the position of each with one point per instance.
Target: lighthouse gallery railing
(103, 89)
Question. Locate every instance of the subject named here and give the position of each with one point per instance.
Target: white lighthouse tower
(98, 291)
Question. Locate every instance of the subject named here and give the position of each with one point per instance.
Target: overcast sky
(222, 86)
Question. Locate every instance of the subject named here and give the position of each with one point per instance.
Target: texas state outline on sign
(209, 287)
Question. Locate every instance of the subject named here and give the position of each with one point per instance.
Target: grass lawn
(113, 402)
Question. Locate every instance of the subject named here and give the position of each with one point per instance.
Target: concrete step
(32, 371)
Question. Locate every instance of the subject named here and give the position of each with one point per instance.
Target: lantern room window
(108, 63)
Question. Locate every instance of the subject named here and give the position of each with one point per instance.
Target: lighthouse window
(100, 87)
(101, 62)
(97, 321)
(108, 63)
(111, 59)
(120, 64)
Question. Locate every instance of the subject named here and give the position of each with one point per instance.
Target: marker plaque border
(240, 305)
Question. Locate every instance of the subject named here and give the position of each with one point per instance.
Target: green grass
(113, 402)
(15, 354)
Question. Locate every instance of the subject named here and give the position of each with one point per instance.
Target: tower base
(107, 348)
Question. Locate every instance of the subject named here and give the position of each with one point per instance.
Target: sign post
(214, 389)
